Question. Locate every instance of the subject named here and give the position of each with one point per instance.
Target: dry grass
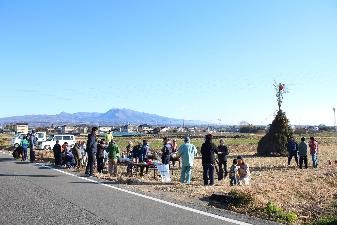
(311, 193)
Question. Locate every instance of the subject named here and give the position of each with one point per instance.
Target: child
(233, 174)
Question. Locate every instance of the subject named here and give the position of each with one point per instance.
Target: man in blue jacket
(91, 150)
(187, 152)
(292, 150)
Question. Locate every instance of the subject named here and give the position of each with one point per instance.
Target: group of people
(300, 152)
(108, 152)
(28, 142)
(239, 171)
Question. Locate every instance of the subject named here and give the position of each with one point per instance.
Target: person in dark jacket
(77, 155)
(91, 150)
(100, 156)
(303, 153)
(207, 152)
(144, 151)
(292, 150)
(166, 151)
(57, 153)
(222, 152)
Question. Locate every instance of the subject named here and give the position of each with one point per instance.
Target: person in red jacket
(313, 145)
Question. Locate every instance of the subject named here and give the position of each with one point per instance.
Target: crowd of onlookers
(106, 153)
(300, 152)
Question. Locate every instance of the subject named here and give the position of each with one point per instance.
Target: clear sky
(204, 60)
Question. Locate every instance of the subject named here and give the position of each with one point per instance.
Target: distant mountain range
(114, 116)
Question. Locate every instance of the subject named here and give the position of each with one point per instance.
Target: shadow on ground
(27, 175)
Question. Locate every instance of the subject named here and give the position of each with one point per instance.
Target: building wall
(21, 128)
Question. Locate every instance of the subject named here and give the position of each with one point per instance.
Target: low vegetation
(277, 192)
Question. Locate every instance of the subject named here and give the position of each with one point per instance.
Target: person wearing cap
(57, 153)
(208, 159)
(244, 173)
(108, 137)
(222, 152)
(187, 152)
(303, 153)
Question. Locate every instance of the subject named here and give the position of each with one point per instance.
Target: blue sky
(185, 59)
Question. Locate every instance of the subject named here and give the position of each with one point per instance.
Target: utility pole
(334, 115)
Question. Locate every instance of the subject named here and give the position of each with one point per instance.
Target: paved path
(35, 194)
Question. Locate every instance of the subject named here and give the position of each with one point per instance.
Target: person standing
(303, 153)
(234, 173)
(91, 151)
(77, 155)
(57, 153)
(100, 156)
(129, 149)
(84, 155)
(313, 145)
(166, 151)
(292, 147)
(187, 152)
(24, 144)
(32, 143)
(108, 137)
(113, 158)
(207, 152)
(144, 151)
(222, 152)
(174, 152)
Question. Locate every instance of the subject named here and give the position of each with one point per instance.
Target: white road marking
(148, 197)
(152, 198)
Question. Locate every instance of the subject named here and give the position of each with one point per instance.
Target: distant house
(129, 128)
(104, 129)
(66, 129)
(83, 129)
(21, 128)
(144, 128)
(164, 129)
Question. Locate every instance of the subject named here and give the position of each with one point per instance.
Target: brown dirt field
(311, 193)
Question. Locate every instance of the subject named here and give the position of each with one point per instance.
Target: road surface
(35, 194)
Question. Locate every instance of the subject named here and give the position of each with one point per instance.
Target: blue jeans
(314, 160)
(185, 173)
(233, 181)
(24, 154)
(208, 174)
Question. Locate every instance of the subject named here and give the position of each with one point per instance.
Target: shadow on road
(23, 162)
(6, 159)
(27, 175)
(82, 182)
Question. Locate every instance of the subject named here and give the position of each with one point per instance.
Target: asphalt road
(35, 194)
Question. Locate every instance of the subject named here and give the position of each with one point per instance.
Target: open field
(310, 193)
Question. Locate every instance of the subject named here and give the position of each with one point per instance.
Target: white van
(51, 141)
(41, 137)
(16, 140)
